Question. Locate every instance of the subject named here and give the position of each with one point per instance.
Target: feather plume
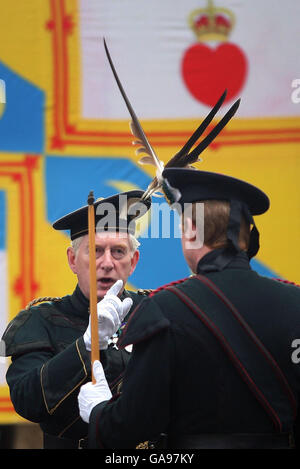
(185, 157)
(141, 140)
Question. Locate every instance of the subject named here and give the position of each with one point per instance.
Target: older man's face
(114, 261)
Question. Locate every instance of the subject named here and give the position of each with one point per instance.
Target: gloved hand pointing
(111, 311)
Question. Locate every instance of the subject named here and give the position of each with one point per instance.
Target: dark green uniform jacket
(50, 363)
(179, 380)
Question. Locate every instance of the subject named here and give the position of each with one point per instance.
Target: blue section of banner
(22, 121)
(262, 269)
(2, 220)
(161, 253)
(70, 179)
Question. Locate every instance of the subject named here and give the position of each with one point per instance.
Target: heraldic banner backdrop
(64, 125)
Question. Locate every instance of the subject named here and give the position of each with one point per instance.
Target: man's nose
(106, 260)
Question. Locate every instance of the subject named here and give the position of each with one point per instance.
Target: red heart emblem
(208, 72)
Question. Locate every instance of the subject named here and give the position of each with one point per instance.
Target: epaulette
(144, 291)
(176, 282)
(41, 299)
(288, 282)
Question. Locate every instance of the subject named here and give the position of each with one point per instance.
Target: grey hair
(133, 243)
(76, 243)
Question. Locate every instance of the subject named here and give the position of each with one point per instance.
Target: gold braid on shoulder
(41, 299)
(144, 291)
(144, 445)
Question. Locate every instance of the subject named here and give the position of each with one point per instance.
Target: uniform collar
(79, 302)
(221, 259)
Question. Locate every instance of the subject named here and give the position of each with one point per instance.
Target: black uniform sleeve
(39, 378)
(297, 431)
(49, 364)
(145, 388)
(63, 374)
(39, 382)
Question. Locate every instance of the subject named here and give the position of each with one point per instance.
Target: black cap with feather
(209, 183)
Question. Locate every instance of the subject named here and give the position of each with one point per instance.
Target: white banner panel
(169, 72)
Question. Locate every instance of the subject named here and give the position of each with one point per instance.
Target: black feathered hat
(185, 186)
(192, 185)
(116, 213)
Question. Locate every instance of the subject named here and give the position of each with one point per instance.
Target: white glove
(111, 311)
(92, 394)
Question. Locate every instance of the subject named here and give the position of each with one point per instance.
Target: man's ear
(189, 229)
(192, 237)
(134, 261)
(71, 259)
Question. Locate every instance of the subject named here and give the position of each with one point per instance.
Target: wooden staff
(95, 354)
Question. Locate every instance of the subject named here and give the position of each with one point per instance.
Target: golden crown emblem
(212, 23)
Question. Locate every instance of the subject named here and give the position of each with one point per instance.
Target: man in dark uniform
(212, 363)
(50, 343)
